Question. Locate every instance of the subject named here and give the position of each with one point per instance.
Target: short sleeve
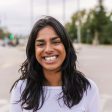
(93, 98)
(15, 95)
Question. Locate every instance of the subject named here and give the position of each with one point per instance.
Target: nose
(48, 48)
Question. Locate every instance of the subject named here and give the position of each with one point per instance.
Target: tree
(72, 26)
(2, 33)
(96, 25)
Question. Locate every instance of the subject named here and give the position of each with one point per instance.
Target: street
(94, 61)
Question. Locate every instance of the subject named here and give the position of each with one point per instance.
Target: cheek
(37, 53)
(63, 51)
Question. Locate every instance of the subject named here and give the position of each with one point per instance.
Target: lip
(49, 56)
(51, 61)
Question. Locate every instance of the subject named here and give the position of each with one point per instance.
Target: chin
(51, 68)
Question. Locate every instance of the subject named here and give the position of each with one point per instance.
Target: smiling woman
(50, 81)
(50, 51)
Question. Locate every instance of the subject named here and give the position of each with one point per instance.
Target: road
(94, 61)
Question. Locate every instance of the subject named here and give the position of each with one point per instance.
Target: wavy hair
(74, 83)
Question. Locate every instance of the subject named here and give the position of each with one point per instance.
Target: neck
(52, 78)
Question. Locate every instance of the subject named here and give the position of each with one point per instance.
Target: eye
(56, 42)
(40, 44)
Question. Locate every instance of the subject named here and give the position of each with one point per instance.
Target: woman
(50, 81)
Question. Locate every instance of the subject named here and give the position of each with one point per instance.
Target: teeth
(50, 58)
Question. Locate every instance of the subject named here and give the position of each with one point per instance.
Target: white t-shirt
(89, 102)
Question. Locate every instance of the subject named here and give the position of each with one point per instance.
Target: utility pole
(0, 21)
(79, 23)
(64, 15)
(47, 7)
(31, 13)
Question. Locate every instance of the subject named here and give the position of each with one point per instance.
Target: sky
(18, 16)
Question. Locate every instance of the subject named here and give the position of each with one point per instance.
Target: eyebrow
(54, 38)
(39, 40)
(42, 40)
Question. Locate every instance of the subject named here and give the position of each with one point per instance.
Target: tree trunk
(95, 40)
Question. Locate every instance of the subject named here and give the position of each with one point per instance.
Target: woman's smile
(50, 59)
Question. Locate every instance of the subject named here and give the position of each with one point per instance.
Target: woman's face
(49, 49)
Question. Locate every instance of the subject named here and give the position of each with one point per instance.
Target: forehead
(47, 31)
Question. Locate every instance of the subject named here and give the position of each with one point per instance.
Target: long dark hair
(74, 83)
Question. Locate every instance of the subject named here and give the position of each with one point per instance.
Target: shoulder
(92, 90)
(17, 90)
(19, 86)
(93, 86)
(92, 97)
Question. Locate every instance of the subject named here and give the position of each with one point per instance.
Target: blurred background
(89, 24)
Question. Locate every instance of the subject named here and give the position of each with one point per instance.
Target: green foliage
(11, 36)
(72, 30)
(2, 33)
(72, 26)
(107, 34)
(95, 25)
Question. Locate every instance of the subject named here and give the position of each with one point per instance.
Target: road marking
(4, 105)
(6, 65)
(5, 108)
(3, 101)
(104, 100)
